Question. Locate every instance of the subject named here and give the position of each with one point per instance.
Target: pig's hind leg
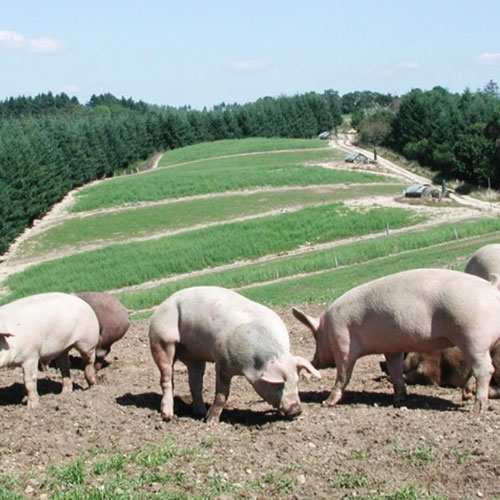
(395, 369)
(196, 370)
(164, 356)
(88, 356)
(482, 369)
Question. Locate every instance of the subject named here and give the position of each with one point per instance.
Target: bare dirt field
(360, 448)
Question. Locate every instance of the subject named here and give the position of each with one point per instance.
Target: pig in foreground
(45, 327)
(485, 262)
(113, 321)
(418, 310)
(447, 368)
(242, 337)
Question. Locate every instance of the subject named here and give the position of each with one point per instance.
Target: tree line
(456, 135)
(50, 144)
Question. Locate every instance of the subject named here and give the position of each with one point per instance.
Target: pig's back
(45, 322)
(485, 262)
(206, 316)
(421, 304)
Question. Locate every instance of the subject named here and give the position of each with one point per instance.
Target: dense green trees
(455, 135)
(51, 144)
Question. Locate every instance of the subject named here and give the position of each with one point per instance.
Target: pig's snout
(294, 411)
(290, 407)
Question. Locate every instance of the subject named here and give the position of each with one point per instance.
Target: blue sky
(202, 53)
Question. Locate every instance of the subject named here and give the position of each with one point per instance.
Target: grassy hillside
(263, 215)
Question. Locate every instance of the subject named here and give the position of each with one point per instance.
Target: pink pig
(418, 310)
(242, 337)
(45, 327)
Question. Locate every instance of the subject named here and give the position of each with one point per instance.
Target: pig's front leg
(30, 373)
(395, 369)
(222, 385)
(196, 370)
(344, 372)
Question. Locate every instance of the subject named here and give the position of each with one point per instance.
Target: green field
(227, 147)
(221, 175)
(143, 221)
(129, 264)
(301, 207)
(440, 246)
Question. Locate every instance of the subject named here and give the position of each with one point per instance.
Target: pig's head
(322, 356)
(278, 383)
(3, 339)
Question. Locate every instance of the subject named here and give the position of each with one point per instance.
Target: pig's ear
(303, 364)
(275, 373)
(309, 321)
(495, 280)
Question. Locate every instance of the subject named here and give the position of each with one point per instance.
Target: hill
(284, 222)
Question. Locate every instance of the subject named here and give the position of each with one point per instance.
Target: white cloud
(70, 89)
(244, 65)
(408, 65)
(489, 59)
(392, 70)
(16, 41)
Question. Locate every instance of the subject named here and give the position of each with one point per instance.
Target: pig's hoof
(211, 419)
(480, 407)
(32, 403)
(167, 417)
(467, 395)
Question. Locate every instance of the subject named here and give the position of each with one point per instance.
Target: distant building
(357, 158)
(325, 135)
(422, 190)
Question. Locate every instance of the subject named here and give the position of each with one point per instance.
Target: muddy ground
(359, 448)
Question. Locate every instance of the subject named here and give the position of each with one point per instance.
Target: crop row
(341, 267)
(216, 176)
(116, 226)
(124, 265)
(226, 147)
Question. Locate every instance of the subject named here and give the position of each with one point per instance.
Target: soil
(362, 446)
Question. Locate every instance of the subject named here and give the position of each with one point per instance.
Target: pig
(485, 262)
(212, 324)
(45, 327)
(419, 310)
(113, 320)
(447, 368)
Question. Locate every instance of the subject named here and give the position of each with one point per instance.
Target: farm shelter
(422, 190)
(356, 158)
(325, 135)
